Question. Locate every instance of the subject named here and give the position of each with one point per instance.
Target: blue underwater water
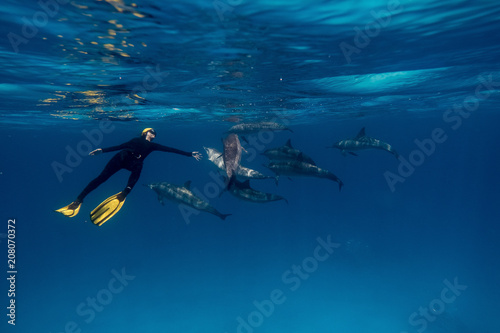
(409, 245)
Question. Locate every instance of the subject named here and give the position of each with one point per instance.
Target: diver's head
(148, 133)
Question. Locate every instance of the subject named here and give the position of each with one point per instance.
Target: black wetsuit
(131, 157)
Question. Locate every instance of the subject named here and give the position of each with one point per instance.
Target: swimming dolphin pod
(183, 195)
(283, 161)
(361, 141)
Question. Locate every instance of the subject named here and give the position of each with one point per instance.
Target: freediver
(131, 157)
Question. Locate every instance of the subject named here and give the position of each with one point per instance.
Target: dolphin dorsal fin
(289, 143)
(187, 184)
(361, 133)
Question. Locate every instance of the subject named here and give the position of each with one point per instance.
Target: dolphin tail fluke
(223, 216)
(331, 176)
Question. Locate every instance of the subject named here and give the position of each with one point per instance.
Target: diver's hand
(96, 152)
(197, 155)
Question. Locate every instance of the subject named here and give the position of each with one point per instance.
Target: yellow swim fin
(107, 209)
(70, 210)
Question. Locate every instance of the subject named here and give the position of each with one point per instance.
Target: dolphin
(232, 154)
(242, 190)
(361, 141)
(298, 168)
(183, 195)
(214, 156)
(253, 127)
(287, 152)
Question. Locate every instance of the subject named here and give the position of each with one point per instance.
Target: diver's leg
(132, 180)
(114, 165)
